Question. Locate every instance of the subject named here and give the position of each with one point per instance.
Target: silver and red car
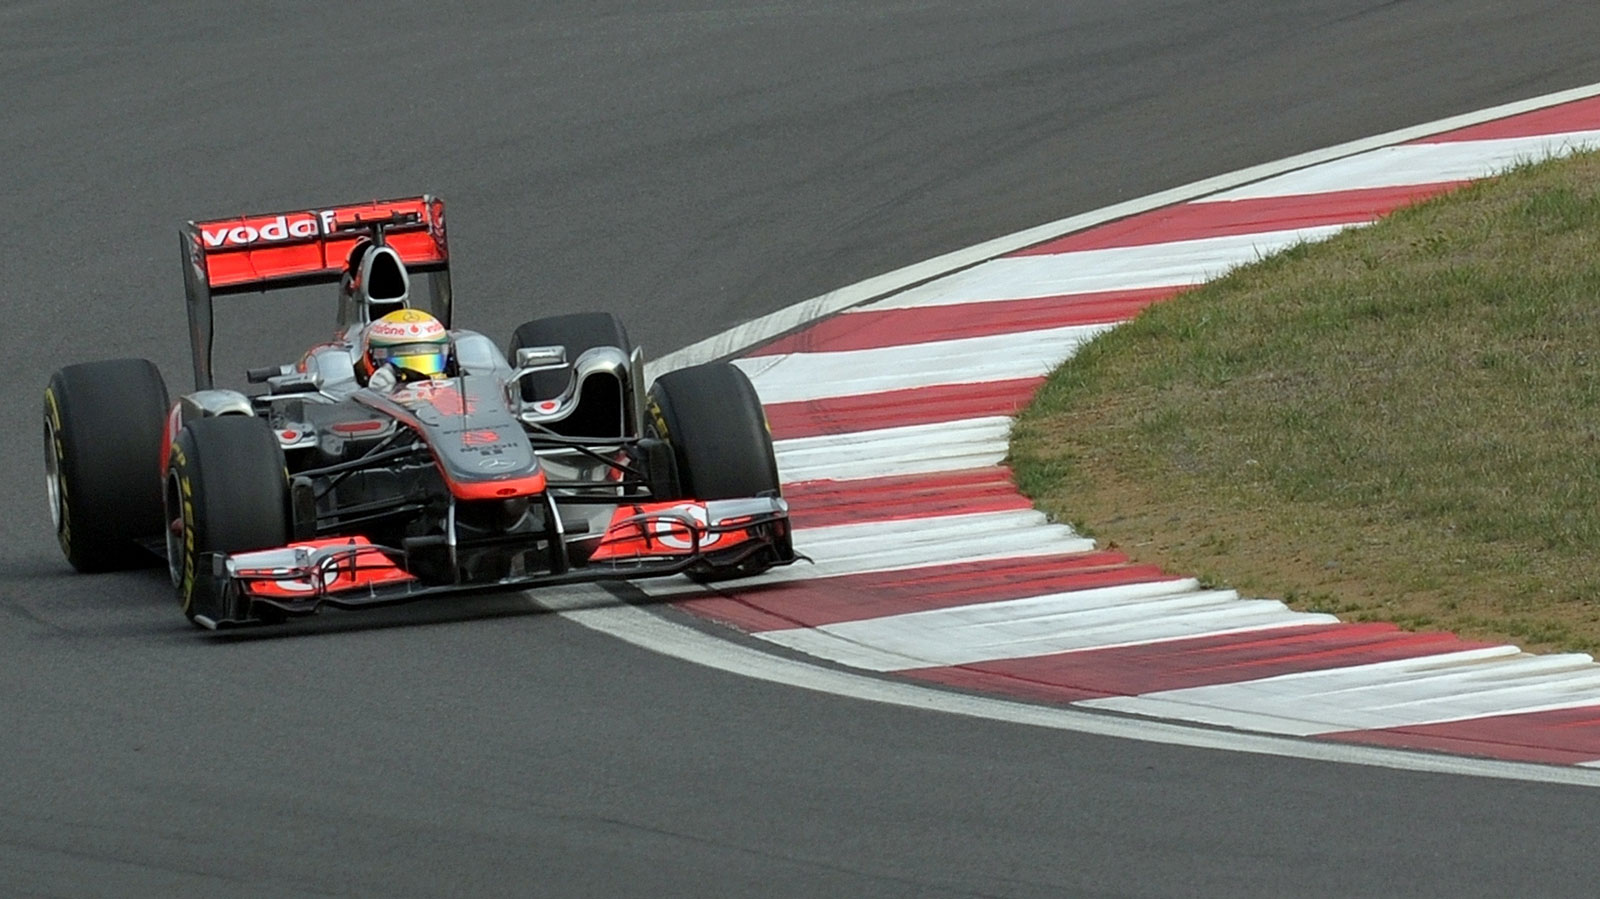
(548, 463)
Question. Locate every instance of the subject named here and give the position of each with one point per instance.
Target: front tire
(712, 418)
(103, 429)
(226, 492)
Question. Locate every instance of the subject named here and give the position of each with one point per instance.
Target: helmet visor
(422, 358)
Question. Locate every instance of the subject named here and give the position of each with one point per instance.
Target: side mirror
(538, 358)
(532, 360)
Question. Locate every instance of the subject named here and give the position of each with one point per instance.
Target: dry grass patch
(1401, 423)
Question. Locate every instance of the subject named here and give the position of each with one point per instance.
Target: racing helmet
(415, 343)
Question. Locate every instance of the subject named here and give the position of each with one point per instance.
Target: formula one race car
(403, 459)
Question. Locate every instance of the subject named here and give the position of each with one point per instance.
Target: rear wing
(303, 247)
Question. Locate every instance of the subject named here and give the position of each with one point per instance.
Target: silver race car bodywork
(550, 463)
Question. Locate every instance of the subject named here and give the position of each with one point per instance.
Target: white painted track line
(589, 607)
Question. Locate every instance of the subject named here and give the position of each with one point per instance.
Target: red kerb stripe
(823, 601)
(926, 324)
(814, 504)
(900, 408)
(1193, 221)
(1562, 737)
(1580, 115)
(1176, 664)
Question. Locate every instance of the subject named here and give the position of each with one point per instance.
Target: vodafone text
(283, 227)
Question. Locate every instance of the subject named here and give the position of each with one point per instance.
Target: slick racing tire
(226, 492)
(711, 417)
(578, 332)
(103, 428)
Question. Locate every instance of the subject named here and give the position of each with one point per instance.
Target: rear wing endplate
(307, 246)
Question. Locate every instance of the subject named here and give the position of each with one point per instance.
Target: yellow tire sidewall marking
(178, 464)
(53, 410)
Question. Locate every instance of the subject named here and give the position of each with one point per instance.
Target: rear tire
(103, 429)
(579, 332)
(226, 492)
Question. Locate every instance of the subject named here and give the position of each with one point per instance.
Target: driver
(405, 345)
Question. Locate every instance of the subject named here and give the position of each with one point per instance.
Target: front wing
(719, 537)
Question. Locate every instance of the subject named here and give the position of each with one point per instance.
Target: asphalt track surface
(691, 166)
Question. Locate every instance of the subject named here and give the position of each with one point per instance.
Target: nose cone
(382, 279)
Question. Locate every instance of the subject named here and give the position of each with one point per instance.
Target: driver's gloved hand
(383, 379)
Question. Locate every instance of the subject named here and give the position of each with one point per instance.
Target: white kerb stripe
(907, 543)
(1175, 264)
(1059, 622)
(794, 377)
(1499, 680)
(1415, 164)
(882, 452)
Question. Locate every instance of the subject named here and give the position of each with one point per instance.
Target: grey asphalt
(690, 165)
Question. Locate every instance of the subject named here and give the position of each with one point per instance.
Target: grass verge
(1400, 423)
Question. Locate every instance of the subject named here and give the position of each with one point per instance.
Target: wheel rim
(52, 473)
(175, 535)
